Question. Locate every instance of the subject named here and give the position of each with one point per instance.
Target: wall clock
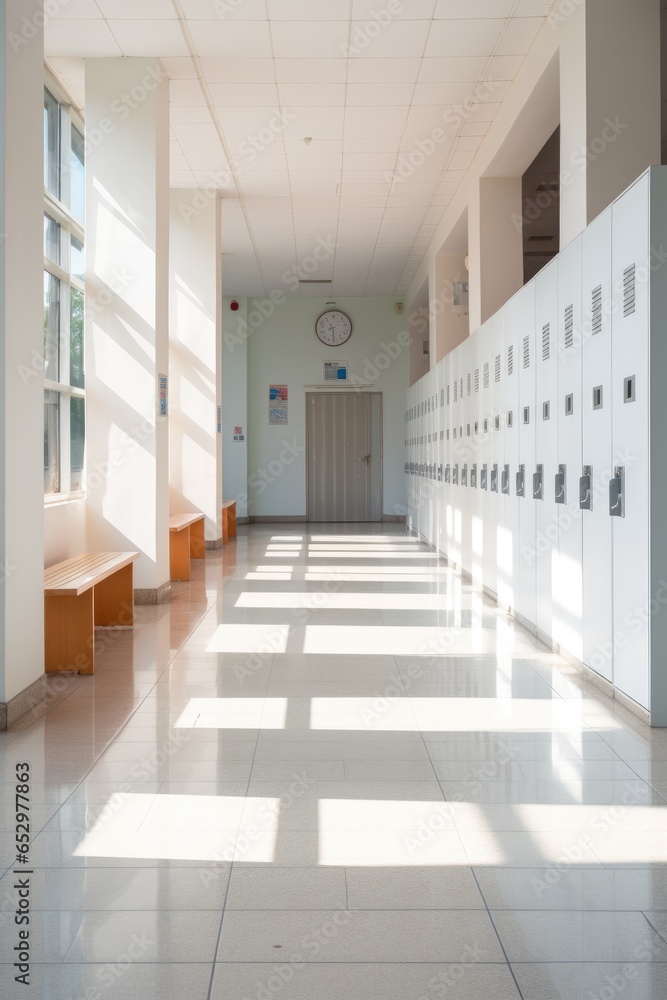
(333, 328)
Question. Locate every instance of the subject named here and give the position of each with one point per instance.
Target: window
(64, 298)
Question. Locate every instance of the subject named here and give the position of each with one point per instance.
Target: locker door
(440, 456)
(597, 449)
(497, 430)
(509, 554)
(630, 534)
(567, 598)
(488, 498)
(476, 502)
(454, 507)
(526, 603)
(466, 456)
(546, 436)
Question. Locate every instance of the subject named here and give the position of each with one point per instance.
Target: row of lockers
(531, 449)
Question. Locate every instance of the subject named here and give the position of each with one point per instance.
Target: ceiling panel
(252, 79)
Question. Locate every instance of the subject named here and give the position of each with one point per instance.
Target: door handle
(364, 458)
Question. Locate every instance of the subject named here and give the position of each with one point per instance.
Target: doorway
(344, 443)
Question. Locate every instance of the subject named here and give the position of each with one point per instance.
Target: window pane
(76, 339)
(78, 175)
(77, 428)
(51, 442)
(77, 265)
(51, 144)
(51, 239)
(51, 327)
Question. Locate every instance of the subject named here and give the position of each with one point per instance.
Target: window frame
(70, 227)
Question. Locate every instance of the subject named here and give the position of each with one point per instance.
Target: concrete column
(21, 356)
(610, 104)
(127, 304)
(418, 328)
(496, 246)
(195, 354)
(235, 332)
(450, 323)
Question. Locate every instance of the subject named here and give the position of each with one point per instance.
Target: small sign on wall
(335, 371)
(219, 420)
(238, 433)
(278, 404)
(162, 402)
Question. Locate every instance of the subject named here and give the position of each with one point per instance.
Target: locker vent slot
(447, 395)
(569, 405)
(448, 434)
(497, 423)
(428, 404)
(546, 410)
(630, 290)
(468, 430)
(461, 388)
(526, 414)
(596, 310)
(597, 397)
(526, 352)
(510, 418)
(569, 326)
(497, 368)
(477, 427)
(476, 379)
(486, 374)
(546, 333)
(455, 433)
(486, 426)
(469, 383)
(456, 390)
(442, 397)
(510, 360)
(629, 389)
(442, 435)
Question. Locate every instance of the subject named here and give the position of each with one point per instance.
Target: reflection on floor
(331, 769)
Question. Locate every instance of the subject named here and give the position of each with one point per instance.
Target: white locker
(454, 505)
(509, 542)
(466, 449)
(630, 428)
(476, 503)
(440, 458)
(526, 604)
(497, 431)
(568, 586)
(546, 438)
(597, 449)
(489, 505)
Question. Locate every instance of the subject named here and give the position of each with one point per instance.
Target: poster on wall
(238, 433)
(162, 390)
(277, 404)
(335, 371)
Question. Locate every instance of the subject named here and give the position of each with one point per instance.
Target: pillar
(21, 358)
(127, 344)
(496, 246)
(235, 331)
(449, 321)
(195, 353)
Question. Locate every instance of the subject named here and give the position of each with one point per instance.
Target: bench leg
(69, 633)
(114, 599)
(225, 525)
(197, 540)
(232, 521)
(179, 554)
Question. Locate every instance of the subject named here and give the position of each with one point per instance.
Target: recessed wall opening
(541, 208)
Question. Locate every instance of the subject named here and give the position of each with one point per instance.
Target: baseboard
(153, 595)
(394, 518)
(211, 544)
(277, 519)
(13, 710)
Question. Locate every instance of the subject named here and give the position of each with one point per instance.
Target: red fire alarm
(233, 305)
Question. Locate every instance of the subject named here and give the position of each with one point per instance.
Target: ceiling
(366, 89)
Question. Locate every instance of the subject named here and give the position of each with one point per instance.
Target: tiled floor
(329, 770)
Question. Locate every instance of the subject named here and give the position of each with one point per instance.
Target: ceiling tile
(444, 93)
(184, 114)
(461, 160)
(239, 123)
(519, 36)
(319, 123)
(367, 95)
(396, 38)
(383, 122)
(78, 9)
(464, 38)
(306, 10)
(240, 95)
(205, 155)
(317, 39)
(90, 39)
(232, 38)
(473, 8)
(475, 128)
(369, 161)
(505, 67)
(309, 94)
(179, 67)
(305, 160)
(187, 93)
(194, 131)
(160, 10)
(413, 9)
(238, 70)
(311, 70)
(149, 38)
(452, 69)
(398, 70)
(224, 10)
(484, 112)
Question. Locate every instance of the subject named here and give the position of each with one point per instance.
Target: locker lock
(560, 494)
(586, 488)
(538, 490)
(617, 492)
(521, 481)
(464, 475)
(447, 474)
(494, 478)
(506, 480)
(455, 475)
(473, 476)
(483, 478)
(439, 473)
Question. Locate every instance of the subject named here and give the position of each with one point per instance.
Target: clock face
(333, 328)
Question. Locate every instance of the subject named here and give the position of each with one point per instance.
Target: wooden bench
(93, 589)
(228, 520)
(186, 542)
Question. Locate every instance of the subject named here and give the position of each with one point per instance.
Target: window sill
(59, 499)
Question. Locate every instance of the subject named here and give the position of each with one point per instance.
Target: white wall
(64, 531)
(283, 349)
